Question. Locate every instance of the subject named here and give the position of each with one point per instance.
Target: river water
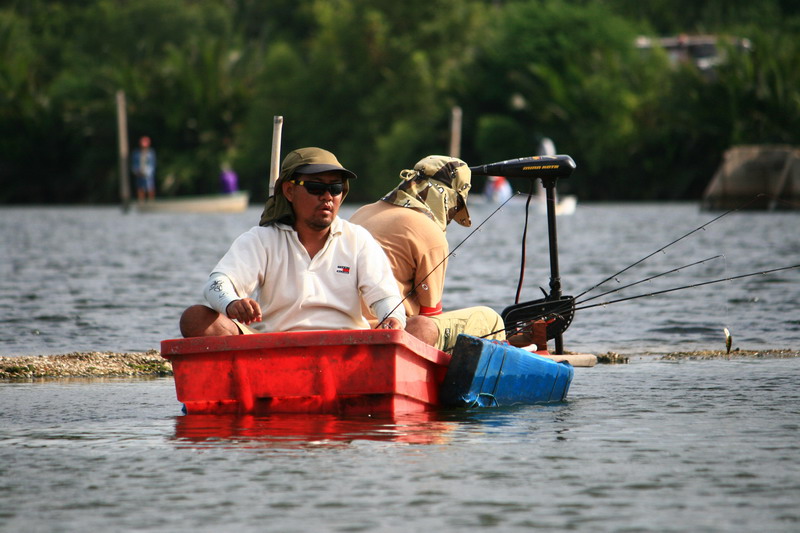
(648, 446)
(84, 279)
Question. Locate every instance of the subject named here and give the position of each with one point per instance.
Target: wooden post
(275, 160)
(455, 132)
(122, 134)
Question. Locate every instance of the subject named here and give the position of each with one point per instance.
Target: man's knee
(423, 328)
(200, 321)
(490, 321)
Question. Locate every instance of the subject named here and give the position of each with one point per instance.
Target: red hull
(348, 372)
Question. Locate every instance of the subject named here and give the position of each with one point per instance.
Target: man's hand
(245, 311)
(390, 323)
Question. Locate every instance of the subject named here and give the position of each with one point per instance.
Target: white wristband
(220, 292)
(390, 306)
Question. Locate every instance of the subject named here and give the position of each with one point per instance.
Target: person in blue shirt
(143, 165)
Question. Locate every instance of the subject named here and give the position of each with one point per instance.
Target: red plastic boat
(351, 371)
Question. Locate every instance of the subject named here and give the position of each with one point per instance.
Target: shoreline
(150, 363)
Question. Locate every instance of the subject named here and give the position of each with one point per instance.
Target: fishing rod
(670, 244)
(556, 312)
(740, 276)
(563, 310)
(561, 307)
(650, 278)
(453, 251)
(519, 316)
(567, 306)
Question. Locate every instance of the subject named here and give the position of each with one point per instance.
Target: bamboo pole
(275, 159)
(455, 132)
(122, 134)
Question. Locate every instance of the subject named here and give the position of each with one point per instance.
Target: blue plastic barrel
(486, 373)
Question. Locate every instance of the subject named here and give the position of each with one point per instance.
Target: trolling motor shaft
(549, 169)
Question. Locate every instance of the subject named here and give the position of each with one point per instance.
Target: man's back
(416, 248)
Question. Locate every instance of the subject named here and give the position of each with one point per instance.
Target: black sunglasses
(317, 188)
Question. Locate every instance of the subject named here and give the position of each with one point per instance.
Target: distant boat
(497, 190)
(566, 204)
(235, 202)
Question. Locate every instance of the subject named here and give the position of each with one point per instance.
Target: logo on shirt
(341, 269)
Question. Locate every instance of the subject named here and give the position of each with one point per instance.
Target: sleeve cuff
(220, 292)
(391, 306)
(431, 311)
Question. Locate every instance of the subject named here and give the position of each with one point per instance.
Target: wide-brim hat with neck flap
(437, 186)
(310, 160)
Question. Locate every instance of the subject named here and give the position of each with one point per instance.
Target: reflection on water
(289, 431)
(282, 431)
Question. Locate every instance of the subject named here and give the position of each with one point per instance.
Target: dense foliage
(375, 82)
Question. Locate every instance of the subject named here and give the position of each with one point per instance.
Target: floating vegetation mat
(734, 354)
(85, 364)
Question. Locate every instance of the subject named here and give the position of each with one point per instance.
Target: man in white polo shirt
(302, 268)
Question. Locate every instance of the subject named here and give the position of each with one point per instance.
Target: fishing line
(523, 324)
(740, 276)
(524, 241)
(670, 244)
(453, 251)
(569, 304)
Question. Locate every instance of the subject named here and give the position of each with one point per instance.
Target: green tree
(181, 64)
(569, 72)
(372, 83)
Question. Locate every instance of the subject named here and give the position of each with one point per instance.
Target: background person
(143, 166)
(303, 267)
(410, 223)
(228, 180)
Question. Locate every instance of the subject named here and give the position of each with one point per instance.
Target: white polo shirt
(296, 292)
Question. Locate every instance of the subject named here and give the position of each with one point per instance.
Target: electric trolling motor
(555, 309)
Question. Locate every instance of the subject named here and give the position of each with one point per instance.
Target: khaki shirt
(416, 247)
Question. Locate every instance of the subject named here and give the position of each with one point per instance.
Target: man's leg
(423, 328)
(478, 321)
(202, 321)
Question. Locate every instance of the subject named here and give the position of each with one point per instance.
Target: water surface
(648, 446)
(84, 279)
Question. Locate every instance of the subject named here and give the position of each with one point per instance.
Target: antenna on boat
(548, 169)
(275, 160)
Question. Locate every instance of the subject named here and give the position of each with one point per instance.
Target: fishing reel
(556, 312)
